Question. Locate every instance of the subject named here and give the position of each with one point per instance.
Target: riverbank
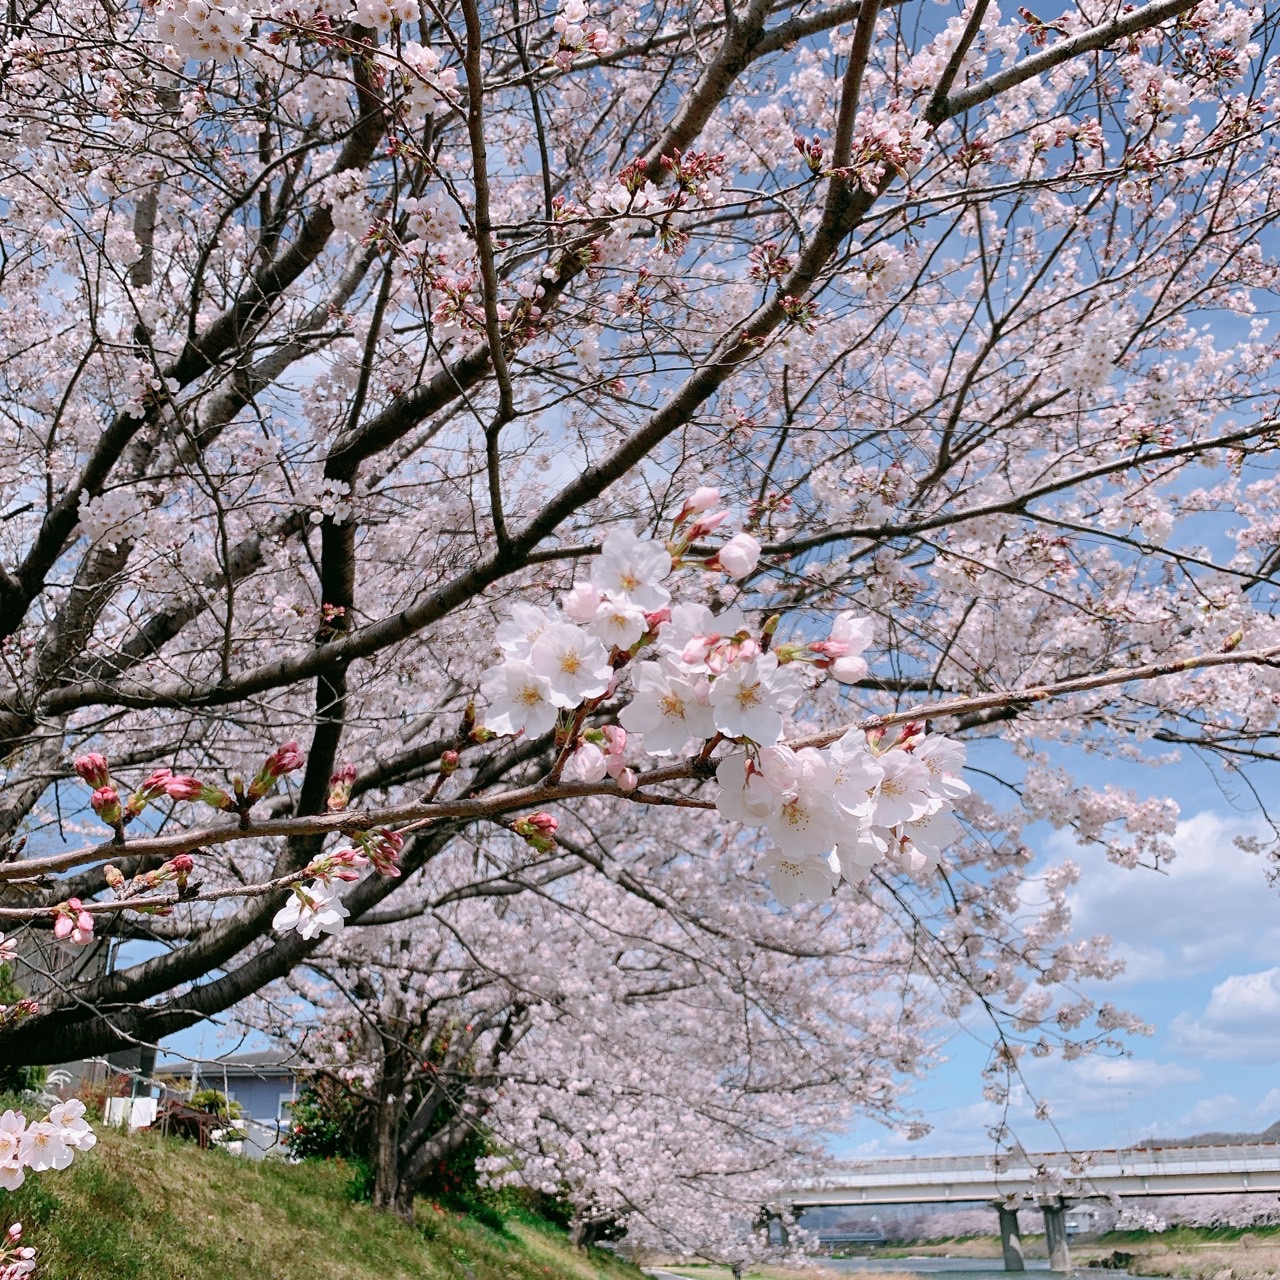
(1182, 1253)
(143, 1207)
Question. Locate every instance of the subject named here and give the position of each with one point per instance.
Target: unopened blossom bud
(346, 865)
(538, 829)
(106, 804)
(181, 786)
(8, 950)
(340, 784)
(382, 848)
(114, 877)
(72, 921)
(283, 760)
(701, 499)
(791, 653)
(654, 620)
(706, 524)
(93, 769)
(449, 762)
(627, 779)
(738, 557)
(216, 798)
(181, 865)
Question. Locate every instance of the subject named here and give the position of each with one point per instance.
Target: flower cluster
(707, 677)
(71, 922)
(199, 31)
(381, 15)
(842, 810)
(50, 1143)
(16, 1259)
(312, 910)
(427, 84)
(575, 38)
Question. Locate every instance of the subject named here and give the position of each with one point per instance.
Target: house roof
(266, 1063)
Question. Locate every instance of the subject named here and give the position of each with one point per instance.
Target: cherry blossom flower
(855, 773)
(68, 1118)
(738, 557)
(632, 569)
(519, 700)
(527, 622)
(904, 794)
(747, 700)
(743, 795)
(311, 911)
(803, 818)
(795, 877)
(44, 1147)
(666, 709)
(850, 635)
(944, 758)
(618, 626)
(572, 662)
(12, 1160)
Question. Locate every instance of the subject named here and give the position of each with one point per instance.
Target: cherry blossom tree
(649, 1063)
(539, 422)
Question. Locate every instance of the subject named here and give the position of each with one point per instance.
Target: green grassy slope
(158, 1209)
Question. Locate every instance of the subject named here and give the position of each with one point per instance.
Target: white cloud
(1212, 906)
(1241, 1022)
(1220, 1112)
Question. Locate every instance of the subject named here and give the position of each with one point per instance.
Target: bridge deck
(1135, 1171)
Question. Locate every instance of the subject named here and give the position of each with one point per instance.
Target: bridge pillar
(1010, 1236)
(1055, 1233)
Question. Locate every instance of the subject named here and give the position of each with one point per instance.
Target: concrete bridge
(1050, 1180)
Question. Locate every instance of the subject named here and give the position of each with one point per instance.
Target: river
(958, 1268)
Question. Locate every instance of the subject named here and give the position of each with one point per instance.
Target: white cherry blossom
(632, 569)
(573, 662)
(311, 911)
(519, 700)
(527, 622)
(666, 709)
(747, 700)
(794, 877)
(904, 794)
(618, 625)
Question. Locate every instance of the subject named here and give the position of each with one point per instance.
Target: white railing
(1122, 1163)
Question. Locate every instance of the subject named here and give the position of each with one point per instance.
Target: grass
(143, 1207)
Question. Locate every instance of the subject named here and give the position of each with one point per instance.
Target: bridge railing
(1125, 1162)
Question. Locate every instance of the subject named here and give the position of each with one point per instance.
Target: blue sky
(1202, 949)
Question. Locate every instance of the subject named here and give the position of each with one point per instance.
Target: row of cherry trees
(474, 473)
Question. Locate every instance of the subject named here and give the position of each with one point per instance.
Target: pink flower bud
(93, 769)
(182, 786)
(284, 760)
(157, 784)
(106, 804)
(706, 524)
(71, 920)
(340, 784)
(701, 499)
(738, 557)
